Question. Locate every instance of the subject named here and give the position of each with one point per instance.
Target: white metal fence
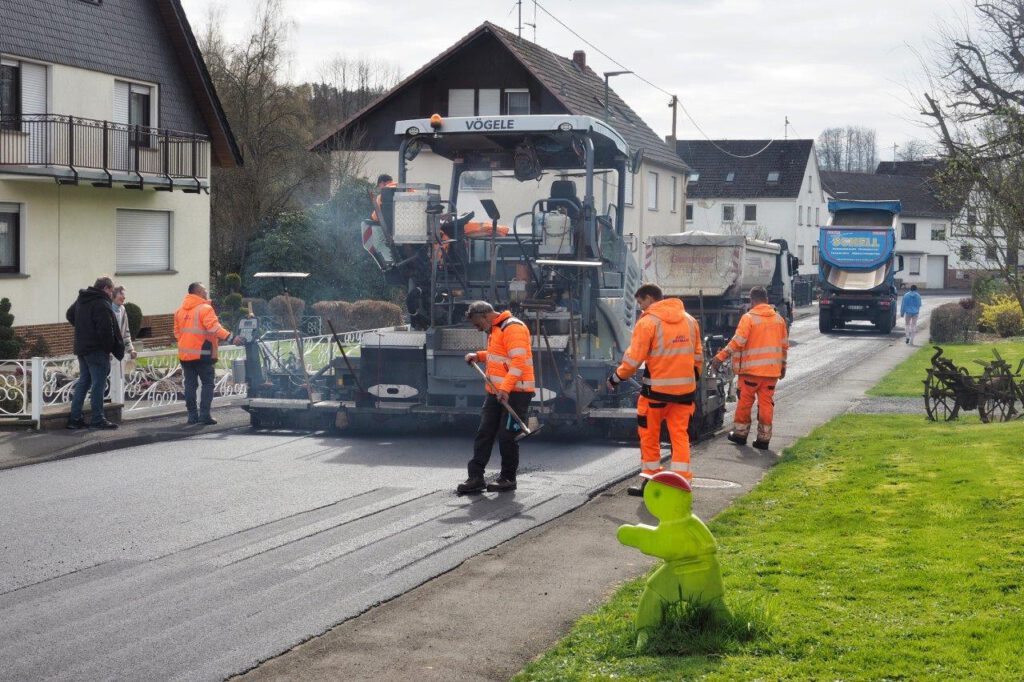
(153, 382)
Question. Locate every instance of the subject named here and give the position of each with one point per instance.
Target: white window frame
(800, 214)
(508, 103)
(810, 184)
(910, 265)
(817, 216)
(652, 191)
(800, 253)
(939, 226)
(732, 209)
(129, 269)
(675, 194)
(902, 230)
(629, 187)
(814, 255)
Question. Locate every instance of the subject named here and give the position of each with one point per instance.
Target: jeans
(495, 422)
(197, 371)
(92, 378)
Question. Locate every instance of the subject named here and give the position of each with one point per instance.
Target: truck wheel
(886, 325)
(824, 323)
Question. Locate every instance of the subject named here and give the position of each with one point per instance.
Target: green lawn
(908, 378)
(886, 547)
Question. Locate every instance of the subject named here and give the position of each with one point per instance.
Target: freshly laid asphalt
(199, 557)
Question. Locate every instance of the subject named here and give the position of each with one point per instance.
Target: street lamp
(608, 75)
(604, 176)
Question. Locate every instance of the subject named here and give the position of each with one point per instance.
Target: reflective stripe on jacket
(508, 356)
(760, 345)
(198, 330)
(667, 340)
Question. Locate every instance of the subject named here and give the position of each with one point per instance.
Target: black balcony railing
(41, 141)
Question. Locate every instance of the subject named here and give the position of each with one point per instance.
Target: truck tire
(886, 325)
(824, 323)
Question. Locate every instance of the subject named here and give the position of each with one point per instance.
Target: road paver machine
(550, 254)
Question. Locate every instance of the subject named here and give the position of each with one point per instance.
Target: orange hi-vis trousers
(649, 416)
(762, 388)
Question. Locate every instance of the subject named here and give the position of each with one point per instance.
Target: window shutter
(461, 102)
(143, 241)
(122, 95)
(490, 102)
(33, 101)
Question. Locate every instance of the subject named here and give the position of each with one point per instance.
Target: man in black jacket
(97, 337)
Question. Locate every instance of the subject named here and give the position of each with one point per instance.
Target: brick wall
(157, 332)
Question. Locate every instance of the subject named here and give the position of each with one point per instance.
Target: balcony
(75, 150)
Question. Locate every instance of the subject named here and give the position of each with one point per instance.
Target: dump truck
(713, 274)
(857, 265)
(552, 256)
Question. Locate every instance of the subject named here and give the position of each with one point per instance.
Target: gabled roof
(580, 91)
(145, 40)
(917, 194)
(924, 168)
(750, 176)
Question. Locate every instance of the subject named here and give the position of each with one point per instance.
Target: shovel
(524, 429)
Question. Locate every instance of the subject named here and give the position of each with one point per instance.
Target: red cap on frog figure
(670, 478)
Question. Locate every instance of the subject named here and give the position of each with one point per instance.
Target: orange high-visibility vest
(667, 340)
(198, 330)
(760, 345)
(508, 356)
(375, 216)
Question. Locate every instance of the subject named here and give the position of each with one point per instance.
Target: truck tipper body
(857, 265)
(713, 274)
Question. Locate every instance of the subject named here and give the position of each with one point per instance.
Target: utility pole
(674, 105)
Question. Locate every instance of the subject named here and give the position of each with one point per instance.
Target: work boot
(760, 444)
(209, 421)
(501, 485)
(736, 438)
(637, 490)
(764, 434)
(75, 424)
(472, 486)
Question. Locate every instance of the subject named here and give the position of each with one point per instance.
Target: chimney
(579, 58)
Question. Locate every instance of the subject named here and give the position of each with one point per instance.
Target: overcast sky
(738, 66)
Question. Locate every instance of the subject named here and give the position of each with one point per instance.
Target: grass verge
(907, 378)
(887, 548)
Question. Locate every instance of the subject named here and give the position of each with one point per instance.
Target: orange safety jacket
(375, 216)
(667, 340)
(508, 356)
(197, 329)
(760, 345)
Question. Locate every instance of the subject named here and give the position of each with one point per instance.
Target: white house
(492, 71)
(763, 188)
(107, 138)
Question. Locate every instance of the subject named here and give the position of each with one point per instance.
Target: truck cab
(857, 265)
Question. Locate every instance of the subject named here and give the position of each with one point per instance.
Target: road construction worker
(509, 370)
(383, 180)
(758, 351)
(666, 340)
(198, 332)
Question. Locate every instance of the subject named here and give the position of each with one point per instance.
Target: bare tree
(852, 149)
(271, 121)
(347, 86)
(976, 106)
(914, 150)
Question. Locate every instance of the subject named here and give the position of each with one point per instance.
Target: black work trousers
(495, 422)
(198, 372)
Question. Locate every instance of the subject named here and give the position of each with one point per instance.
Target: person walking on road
(509, 368)
(97, 337)
(758, 350)
(666, 340)
(910, 308)
(198, 332)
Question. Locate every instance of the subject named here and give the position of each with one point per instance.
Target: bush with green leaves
(1003, 315)
(10, 344)
(134, 314)
(952, 323)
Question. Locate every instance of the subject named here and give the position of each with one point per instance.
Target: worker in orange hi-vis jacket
(666, 340)
(758, 351)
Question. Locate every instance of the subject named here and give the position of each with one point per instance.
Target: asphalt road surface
(200, 558)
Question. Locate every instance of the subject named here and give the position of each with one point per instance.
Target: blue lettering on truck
(856, 248)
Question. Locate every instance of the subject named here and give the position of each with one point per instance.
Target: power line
(656, 87)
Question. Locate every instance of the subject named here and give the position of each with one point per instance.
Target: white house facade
(761, 188)
(107, 140)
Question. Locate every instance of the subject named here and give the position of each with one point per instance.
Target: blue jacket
(911, 304)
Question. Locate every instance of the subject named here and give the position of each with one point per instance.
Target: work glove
(613, 381)
(470, 358)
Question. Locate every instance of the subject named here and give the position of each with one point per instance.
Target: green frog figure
(691, 568)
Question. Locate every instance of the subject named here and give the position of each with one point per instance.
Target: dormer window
(730, 176)
(517, 102)
(773, 176)
(693, 177)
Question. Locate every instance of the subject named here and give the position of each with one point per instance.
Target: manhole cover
(713, 483)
